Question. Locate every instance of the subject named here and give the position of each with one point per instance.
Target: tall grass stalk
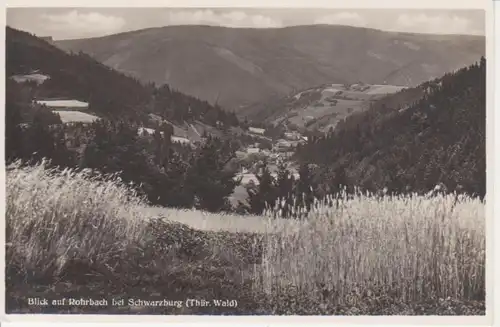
(412, 246)
(53, 217)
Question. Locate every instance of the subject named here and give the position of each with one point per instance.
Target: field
(72, 235)
(384, 89)
(75, 116)
(324, 106)
(64, 103)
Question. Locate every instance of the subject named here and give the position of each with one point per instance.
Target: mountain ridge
(237, 67)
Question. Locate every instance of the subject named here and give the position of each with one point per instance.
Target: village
(280, 151)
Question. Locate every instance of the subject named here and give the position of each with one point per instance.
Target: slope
(319, 108)
(414, 139)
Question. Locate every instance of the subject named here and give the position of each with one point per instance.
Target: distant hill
(236, 67)
(416, 138)
(109, 93)
(319, 108)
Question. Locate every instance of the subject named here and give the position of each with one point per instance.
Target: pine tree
(116, 147)
(304, 189)
(263, 195)
(438, 137)
(212, 183)
(285, 183)
(14, 147)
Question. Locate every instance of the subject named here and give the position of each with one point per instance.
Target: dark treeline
(109, 93)
(437, 135)
(288, 196)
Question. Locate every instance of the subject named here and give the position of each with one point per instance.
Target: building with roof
(255, 130)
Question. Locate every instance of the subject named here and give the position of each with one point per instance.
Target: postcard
(208, 162)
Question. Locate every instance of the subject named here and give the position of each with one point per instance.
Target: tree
(439, 136)
(262, 196)
(304, 189)
(163, 143)
(115, 147)
(13, 131)
(211, 182)
(340, 181)
(285, 183)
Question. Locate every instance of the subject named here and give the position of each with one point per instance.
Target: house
(240, 154)
(182, 140)
(274, 156)
(175, 139)
(293, 136)
(142, 130)
(253, 150)
(282, 145)
(255, 130)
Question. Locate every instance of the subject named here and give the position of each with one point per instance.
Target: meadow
(72, 116)
(77, 234)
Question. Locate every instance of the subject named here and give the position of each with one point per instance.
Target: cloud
(442, 24)
(342, 18)
(228, 19)
(76, 24)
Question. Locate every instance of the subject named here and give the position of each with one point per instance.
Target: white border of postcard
(487, 5)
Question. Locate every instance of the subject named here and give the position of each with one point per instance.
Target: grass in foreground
(71, 235)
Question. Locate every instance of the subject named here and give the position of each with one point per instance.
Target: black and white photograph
(255, 161)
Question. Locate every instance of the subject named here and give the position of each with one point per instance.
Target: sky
(73, 23)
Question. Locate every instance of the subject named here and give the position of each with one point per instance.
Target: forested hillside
(109, 93)
(439, 137)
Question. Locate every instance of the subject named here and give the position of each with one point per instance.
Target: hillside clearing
(63, 103)
(321, 107)
(384, 89)
(69, 233)
(75, 116)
